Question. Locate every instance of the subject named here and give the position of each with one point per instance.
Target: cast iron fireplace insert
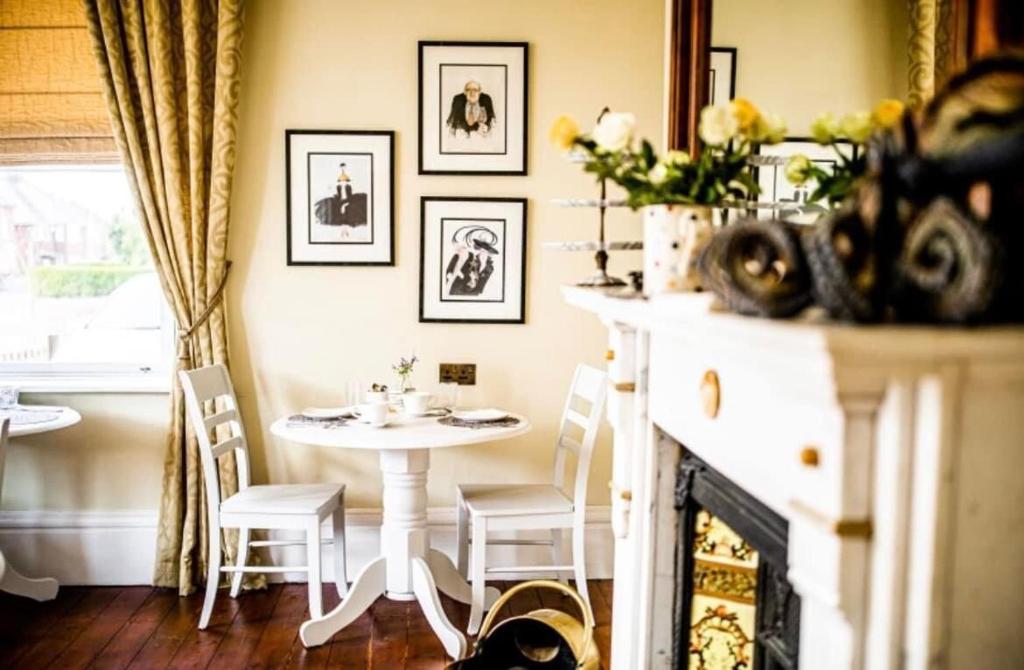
(707, 503)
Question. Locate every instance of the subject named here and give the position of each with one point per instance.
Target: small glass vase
(674, 236)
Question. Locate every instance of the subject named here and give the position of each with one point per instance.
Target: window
(78, 292)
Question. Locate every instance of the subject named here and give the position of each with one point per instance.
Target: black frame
(390, 134)
(526, 108)
(735, 62)
(423, 230)
(777, 605)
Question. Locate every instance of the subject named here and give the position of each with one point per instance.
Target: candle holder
(600, 247)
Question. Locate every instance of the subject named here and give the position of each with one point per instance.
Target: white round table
(11, 581)
(68, 417)
(408, 569)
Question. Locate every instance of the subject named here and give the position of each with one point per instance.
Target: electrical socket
(463, 374)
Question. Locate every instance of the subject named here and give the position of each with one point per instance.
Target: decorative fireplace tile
(722, 634)
(714, 540)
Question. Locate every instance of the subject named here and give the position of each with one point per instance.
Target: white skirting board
(118, 547)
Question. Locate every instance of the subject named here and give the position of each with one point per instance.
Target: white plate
(479, 414)
(326, 412)
(374, 425)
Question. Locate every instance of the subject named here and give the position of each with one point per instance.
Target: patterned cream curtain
(938, 45)
(170, 73)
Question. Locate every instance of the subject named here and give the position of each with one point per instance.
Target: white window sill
(154, 383)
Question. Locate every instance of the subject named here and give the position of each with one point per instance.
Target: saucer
(479, 414)
(373, 425)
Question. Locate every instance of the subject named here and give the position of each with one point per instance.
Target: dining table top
(34, 419)
(402, 432)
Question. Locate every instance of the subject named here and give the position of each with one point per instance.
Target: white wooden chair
(509, 507)
(268, 507)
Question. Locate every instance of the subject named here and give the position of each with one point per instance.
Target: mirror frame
(688, 63)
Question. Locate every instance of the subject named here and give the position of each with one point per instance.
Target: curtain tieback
(185, 334)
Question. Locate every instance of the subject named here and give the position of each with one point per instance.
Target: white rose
(657, 174)
(614, 131)
(718, 125)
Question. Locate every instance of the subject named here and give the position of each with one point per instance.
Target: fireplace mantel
(893, 452)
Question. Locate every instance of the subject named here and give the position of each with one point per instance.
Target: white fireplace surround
(894, 452)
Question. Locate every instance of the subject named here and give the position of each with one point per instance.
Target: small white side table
(12, 581)
(408, 569)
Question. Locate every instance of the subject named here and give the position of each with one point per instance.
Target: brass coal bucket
(544, 639)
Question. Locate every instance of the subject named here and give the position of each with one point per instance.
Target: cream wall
(801, 57)
(299, 333)
(112, 460)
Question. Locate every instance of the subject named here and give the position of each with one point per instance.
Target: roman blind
(52, 108)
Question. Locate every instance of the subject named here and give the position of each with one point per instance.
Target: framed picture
(771, 178)
(472, 260)
(340, 197)
(722, 78)
(473, 108)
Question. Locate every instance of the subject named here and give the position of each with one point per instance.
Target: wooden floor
(143, 627)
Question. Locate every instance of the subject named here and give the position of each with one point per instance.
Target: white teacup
(373, 413)
(375, 396)
(416, 402)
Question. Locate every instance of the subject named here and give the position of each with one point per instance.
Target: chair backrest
(590, 385)
(4, 430)
(210, 387)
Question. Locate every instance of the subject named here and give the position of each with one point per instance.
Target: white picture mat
(432, 307)
(435, 108)
(302, 251)
(721, 76)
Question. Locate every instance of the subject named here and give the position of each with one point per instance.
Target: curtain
(938, 45)
(51, 103)
(170, 73)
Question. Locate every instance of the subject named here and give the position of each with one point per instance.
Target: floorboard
(110, 628)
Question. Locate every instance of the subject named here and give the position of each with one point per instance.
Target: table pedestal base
(11, 581)
(408, 568)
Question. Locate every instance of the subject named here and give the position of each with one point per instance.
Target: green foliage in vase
(829, 130)
(719, 172)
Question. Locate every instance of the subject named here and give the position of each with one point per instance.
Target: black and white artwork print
(472, 251)
(473, 108)
(475, 96)
(341, 203)
(340, 197)
(472, 260)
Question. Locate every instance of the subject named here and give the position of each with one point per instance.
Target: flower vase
(674, 236)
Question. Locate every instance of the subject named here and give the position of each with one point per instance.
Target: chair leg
(316, 609)
(579, 563)
(462, 536)
(479, 574)
(339, 549)
(243, 556)
(212, 577)
(557, 553)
